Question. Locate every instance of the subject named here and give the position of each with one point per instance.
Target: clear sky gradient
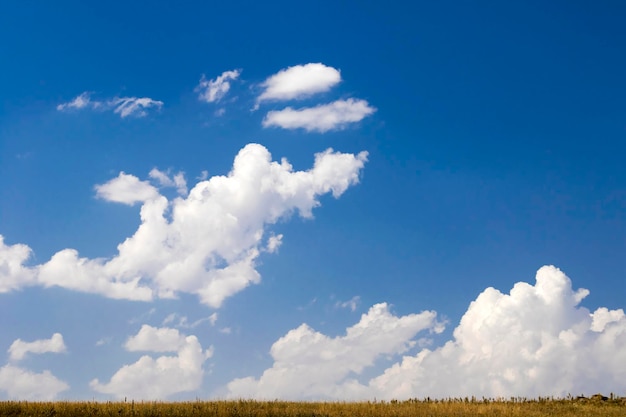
(319, 200)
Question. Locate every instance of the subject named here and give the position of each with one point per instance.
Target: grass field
(412, 408)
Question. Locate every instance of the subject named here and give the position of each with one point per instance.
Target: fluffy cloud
(23, 384)
(127, 189)
(19, 349)
(67, 270)
(20, 383)
(205, 244)
(534, 341)
(155, 339)
(213, 90)
(13, 273)
(321, 118)
(124, 106)
(310, 365)
(150, 378)
(299, 81)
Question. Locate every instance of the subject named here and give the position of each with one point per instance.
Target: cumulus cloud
(205, 244)
(127, 189)
(311, 365)
(213, 90)
(155, 339)
(124, 106)
(19, 349)
(299, 81)
(23, 384)
(67, 270)
(535, 341)
(150, 378)
(321, 118)
(13, 273)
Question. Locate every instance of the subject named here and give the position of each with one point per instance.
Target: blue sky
(464, 236)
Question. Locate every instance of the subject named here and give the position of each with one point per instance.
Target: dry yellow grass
(413, 408)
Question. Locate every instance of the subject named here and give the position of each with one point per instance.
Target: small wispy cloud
(104, 341)
(134, 106)
(214, 90)
(183, 321)
(352, 303)
(166, 179)
(80, 102)
(124, 106)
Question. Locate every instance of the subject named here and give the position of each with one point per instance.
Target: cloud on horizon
(310, 365)
(156, 379)
(534, 341)
(23, 384)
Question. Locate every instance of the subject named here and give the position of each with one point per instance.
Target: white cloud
(321, 118)
(67, 270)
(213, 90)
(19, 349)
(155, 339)
(22, 384)
(183, 321)
(203, 175)
(13, 273)
(133, 106)
(127, 189)
(310, 365)
(150, 378)
(81, 101)
(274, 242)
(205, 244)
(535, 341)
(299, 81)
(124, 106)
